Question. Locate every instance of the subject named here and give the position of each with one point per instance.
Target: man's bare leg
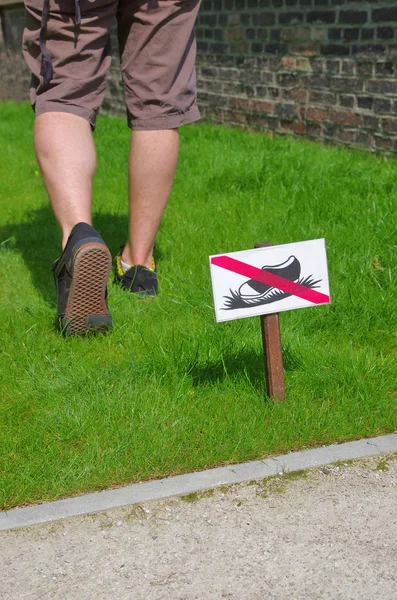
(66, 153)
(152, 163)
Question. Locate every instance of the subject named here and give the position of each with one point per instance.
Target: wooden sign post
(272, 351)
(265, 281)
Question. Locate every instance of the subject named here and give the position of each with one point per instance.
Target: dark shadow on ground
(248, 364)
(38, 239)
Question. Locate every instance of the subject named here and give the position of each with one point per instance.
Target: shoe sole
(86, 308)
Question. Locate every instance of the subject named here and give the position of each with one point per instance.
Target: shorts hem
(164, 121)
(85, 113)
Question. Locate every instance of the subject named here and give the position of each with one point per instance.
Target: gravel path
(327, 533)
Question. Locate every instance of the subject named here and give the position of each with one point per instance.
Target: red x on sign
(295, 289)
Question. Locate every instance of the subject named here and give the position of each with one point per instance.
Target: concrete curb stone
(195, 482)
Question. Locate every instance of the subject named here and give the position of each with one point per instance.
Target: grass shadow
(38, 239)
(247, 364)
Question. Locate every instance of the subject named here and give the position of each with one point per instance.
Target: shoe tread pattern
(87, 297)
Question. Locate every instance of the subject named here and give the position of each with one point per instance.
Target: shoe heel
(87, 308)
(99, 322)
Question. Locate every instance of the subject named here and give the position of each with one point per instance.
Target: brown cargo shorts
(157, 53)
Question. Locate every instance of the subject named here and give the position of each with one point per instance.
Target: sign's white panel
(269, 280)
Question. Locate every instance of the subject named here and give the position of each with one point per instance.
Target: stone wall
(324, 69)
(14, 74)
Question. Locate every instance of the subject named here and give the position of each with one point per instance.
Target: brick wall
(326, 69)
(14, 74)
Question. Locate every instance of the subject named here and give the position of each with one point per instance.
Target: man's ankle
(136, 258)
(67, 229)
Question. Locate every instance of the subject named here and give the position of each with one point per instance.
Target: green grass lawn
(169, 390)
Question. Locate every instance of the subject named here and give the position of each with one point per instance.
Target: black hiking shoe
(289, 269)
(138, 279)
(81, 275)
